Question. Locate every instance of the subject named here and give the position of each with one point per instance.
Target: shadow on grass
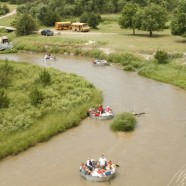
(181, 41)
(147, 35)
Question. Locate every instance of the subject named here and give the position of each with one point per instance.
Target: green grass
(65, 102)
(121, 40)
(170, 73)
(11, 6)
(7, 21)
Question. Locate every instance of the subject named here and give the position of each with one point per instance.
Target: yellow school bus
(80, 27)
(63, 26)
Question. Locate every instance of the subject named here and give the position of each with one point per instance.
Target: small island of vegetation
(124, 122)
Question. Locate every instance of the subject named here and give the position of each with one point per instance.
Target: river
(154, 154)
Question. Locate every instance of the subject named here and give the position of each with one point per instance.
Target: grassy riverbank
(39, 107)
(173, 73)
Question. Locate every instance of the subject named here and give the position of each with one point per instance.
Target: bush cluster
(4, 101)
(124, 122)
(161, 56)
(45, 77)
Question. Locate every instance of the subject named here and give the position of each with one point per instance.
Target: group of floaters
(100, 168)
(49, 56)
(100, 111)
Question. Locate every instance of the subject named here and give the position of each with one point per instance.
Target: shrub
(129, 68)
(5, 74)
(161, 57)
(36, 97)
(25, 25)
(4, 101)
(123, 122)
(45, 77)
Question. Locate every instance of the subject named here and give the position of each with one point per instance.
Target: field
(121, 40)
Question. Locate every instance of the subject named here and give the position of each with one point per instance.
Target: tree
(49, 18)
(178, 23)
(154, 18)
(93, 20)
(78, 8)
(25, 25)
(84, 18)
(128, 16)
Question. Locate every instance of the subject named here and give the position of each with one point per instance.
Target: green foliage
(93, 20)
(124, 122)
(4, 100)
(49, 18)
(44, 9)
(4, 9)
(124, 58)
(148, 18)
(153, 18)
(33, 101)
(127, 20)
(5, 74)
(178, 23)
(84, 18)
(36, 97)
(25, 25)
(161, 56)
(46, 110)
(45, 77)
(129, 68)
(171, 73)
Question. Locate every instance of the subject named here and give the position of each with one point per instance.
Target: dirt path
(9, 14)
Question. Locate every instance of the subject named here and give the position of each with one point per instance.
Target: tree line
(154, 17)
(3, 9)
(147, 15)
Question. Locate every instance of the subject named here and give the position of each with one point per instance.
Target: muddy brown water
(153, 155)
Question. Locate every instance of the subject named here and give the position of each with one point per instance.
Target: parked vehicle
(63, 26)
(5, 44)
(80, 27)
(47, 32)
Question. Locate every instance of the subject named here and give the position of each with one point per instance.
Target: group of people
(49, 57)
(103, 112)
(100, 62)
(100, 168)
